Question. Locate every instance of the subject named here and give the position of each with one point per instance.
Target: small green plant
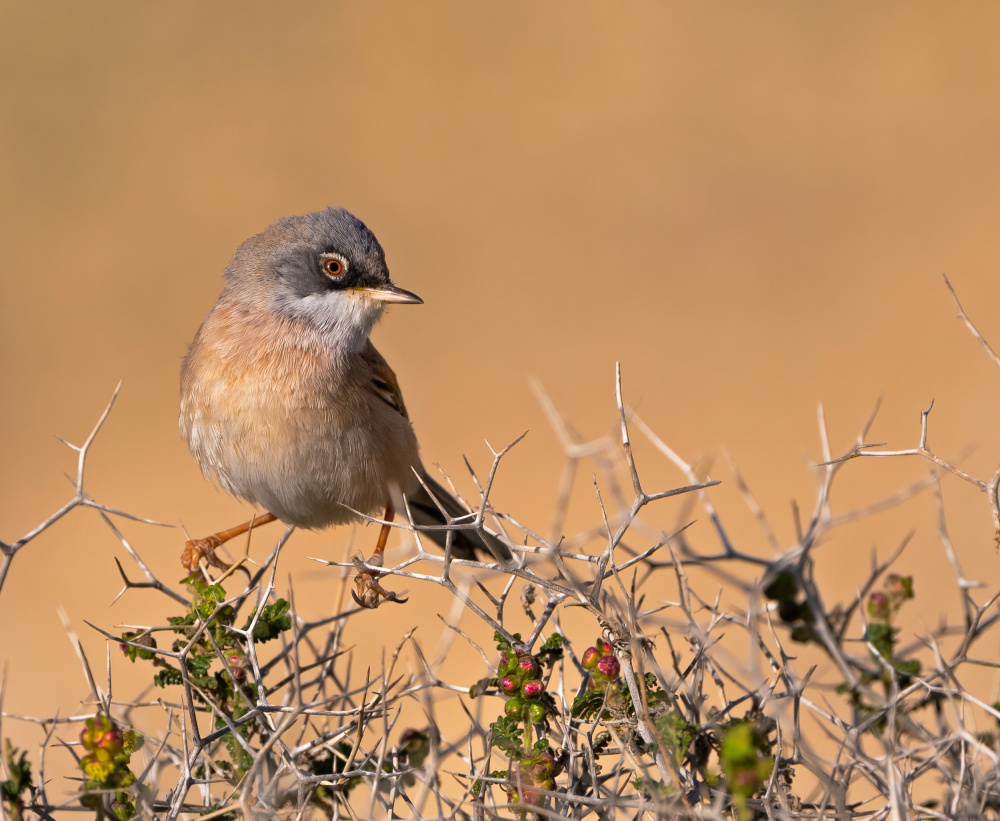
(106, 766)
(18, 781)
(882, 607)
(216, 660)
(745, 759)
(522, 678)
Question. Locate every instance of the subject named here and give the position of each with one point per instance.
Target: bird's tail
(465, 543)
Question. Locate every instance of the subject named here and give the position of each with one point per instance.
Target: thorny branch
(868, 730)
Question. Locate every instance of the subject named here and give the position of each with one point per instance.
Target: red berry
(590, 657)
(532, 690)
(532, 797)
(508, 685)
(608, 666)
(113, 741)
(528, 667)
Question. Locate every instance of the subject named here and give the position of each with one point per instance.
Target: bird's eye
(334, 267)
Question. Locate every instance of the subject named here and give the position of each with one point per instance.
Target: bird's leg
(369, 593)
(197, 549)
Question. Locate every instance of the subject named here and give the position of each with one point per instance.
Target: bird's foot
(197, 551)
(369, 593)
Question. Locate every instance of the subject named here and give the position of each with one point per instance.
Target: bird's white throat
(344, 318)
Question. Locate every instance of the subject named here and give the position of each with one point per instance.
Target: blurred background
(750, 206)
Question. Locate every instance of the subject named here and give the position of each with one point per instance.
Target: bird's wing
(383, 380)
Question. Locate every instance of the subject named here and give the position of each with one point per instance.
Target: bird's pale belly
(294, 457)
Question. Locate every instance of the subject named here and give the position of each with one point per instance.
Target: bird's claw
(198, 550)
(369, 593)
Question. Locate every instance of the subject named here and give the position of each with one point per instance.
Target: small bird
(285, 401)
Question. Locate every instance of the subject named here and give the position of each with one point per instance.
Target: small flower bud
(113, 741)
(590, 657)
(508, 685)
(608, 666)
(532, 690)
(543, 766)
(528, 667)
(532, 797)
(878, 605)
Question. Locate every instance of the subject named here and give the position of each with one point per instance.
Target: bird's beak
(392, 294)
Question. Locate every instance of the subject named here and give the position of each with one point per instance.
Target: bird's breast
(277, 417)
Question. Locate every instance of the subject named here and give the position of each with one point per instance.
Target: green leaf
(882, 636)
(601, 743)
(19, 775)
(551, 650)
(199, 665)
(481, 687)
(677, 733)
(167, 677)
(588, 705)
(784, 587)
(274, 620)
(241, 758)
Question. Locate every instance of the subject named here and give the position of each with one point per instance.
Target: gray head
(325, 268)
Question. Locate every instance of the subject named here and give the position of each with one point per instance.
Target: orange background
(749, 206)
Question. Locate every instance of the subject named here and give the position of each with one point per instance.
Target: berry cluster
(602, 665)
(519, 677)
(883, 604)
(535, 772)
(106, 763)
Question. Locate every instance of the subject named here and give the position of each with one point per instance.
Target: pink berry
(532, 690)
(608, 666)
(528, 667)
(508, 685)
(113, 741)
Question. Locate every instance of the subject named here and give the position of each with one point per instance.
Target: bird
(287, 404)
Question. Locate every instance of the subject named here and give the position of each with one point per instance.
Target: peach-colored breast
(276, 417)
